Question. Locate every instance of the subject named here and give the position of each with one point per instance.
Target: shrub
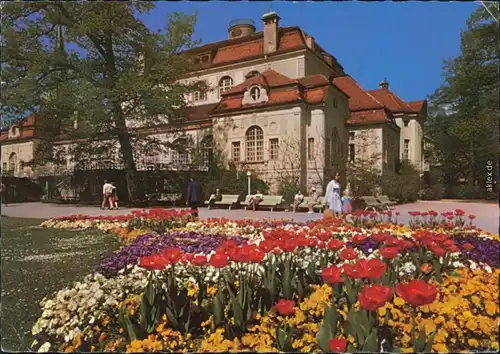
(403, 185)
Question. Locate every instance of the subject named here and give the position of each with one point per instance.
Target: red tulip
(375, 296)
(359, 239)
(332, 275)
(172, 254)
(337, 345)
(285, 307)
(335, 245)
(389, 252)
(379, 237)
(348, 254)
(417, 292)
(153, 262)
(219, 260)
(372, 269)
(438, 251)
(199, 260)
(468, 246)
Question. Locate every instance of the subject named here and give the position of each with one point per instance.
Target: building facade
(279, 106)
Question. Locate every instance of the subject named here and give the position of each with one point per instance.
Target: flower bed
(220, 285)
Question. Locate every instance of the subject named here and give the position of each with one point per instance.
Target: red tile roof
(392, 101)
(269, 78)
(252, 46)
(417, 106)
(280, 90)
(369, 117)
(359, 99)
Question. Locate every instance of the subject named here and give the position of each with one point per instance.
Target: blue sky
(404, 42)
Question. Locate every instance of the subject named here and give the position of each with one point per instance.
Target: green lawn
(37, 262)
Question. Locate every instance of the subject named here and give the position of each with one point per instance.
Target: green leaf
(280, 338)
(171, 318)
(437, 270)
(420, 342)
(428, 345)
(371, 342)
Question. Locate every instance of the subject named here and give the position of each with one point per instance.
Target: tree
(466, 135)
(96, 63)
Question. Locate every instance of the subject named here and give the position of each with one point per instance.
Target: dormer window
(205, 59)
(252, 74)
(255, 93)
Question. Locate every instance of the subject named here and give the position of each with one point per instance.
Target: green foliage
(432, 185)
(114, 72)
(466, 136)
(403, 185)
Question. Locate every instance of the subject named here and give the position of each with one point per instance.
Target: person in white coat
(332, 196)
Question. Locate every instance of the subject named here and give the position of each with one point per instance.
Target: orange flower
(426, 268)
(468, 246)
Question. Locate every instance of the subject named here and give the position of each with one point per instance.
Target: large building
(279, 104)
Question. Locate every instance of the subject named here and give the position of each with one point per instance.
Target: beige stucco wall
(283, 124)
(368, 144)
(23, 152)
(414, 133)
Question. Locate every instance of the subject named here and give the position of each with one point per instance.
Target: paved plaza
(487, 214)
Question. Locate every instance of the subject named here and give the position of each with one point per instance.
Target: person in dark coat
(194, 196)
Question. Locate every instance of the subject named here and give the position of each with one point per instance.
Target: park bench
(269, 201)
(373, 204)
(318, 206)
(385, 200)
(227, 200)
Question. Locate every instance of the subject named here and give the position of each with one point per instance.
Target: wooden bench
(318, 206)
(227, 200)
(373, 204)
(269, 201)
(385, 200)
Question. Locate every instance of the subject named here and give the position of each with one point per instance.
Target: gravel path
(487, 214)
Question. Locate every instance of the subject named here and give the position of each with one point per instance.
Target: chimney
(384, 85)
(271, 25)
(241, 28)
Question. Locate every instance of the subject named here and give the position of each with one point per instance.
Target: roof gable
(391, 100)
(359, 99)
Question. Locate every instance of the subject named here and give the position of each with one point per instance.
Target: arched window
(252, 74)
(225, 84)
(206, 147)
(255, 144)
(13, 162)
(255, 93)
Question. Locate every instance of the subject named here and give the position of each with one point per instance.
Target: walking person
(107, 189)
(114, 197)
(194, 196)
(332, 196)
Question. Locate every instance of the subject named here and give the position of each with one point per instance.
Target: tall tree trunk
(134, 187)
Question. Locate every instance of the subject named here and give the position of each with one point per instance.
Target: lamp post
(249, 174)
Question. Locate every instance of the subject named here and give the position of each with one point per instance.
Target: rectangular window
(351, 136)
(310, 149)
(236, 151)
(199, 96)
(406, 149)
(274, 149)
(352, 152)
(180, 158)
(4, 166)
(406, 123)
